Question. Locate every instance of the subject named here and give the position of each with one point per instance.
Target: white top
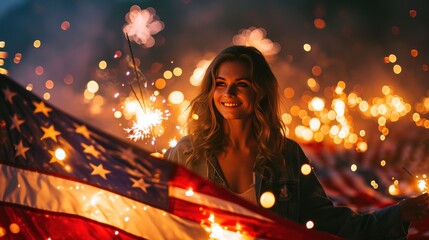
(249, 194)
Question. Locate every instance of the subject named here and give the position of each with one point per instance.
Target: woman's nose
(231, 90)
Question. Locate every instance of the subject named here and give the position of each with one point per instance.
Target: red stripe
(280, 229)
(37, 224)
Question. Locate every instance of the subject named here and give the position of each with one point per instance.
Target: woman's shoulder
(184, 143)
(178, 152)
(293, 151)
(291, 144)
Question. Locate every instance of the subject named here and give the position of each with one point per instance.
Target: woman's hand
(415, 208)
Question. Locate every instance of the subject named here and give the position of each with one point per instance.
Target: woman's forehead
(233, 65)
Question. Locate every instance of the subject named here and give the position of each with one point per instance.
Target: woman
(237, 140)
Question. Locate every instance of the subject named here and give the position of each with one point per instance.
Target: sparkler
(144, 126)
(141, 25)
(422, 184)
(148, 117)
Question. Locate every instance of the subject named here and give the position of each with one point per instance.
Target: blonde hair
(207, 132)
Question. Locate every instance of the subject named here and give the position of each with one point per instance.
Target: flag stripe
(45, 192)
(247, 226)
(213, 202)
(144, 221)
(52, 225)
(184, 179)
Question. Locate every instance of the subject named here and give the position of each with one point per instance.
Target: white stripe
(55, 194)
(214, 202)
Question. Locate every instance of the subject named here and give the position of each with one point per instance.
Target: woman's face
(233, 95)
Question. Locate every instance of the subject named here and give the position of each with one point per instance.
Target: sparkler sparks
(422, 184)
(144, 126)
(217, 232)
(148, 117)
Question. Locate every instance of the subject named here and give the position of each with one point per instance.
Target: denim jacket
(301, 198)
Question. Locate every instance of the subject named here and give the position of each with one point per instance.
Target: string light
(267, 199)
(305, 169)
(309, 224)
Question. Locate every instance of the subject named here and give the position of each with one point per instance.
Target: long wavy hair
(205, 123)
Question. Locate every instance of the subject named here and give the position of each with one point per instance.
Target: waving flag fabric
(353, 189)
(63, 179)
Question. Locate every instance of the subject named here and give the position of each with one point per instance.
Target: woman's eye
(242, 84)
(220, 84)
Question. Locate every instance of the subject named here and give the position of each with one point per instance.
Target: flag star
(91, 150)
(16, 122)
(127, 154)
(54, 159)
(140, 184)
(4, 136)
(9, 95)
(50, 133)
(21, 149)
(41, 107)
(83, 131)
(99, 170)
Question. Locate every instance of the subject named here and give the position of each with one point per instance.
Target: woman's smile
(230, 104)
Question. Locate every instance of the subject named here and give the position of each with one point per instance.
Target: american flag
(353, 189)
(63, 179)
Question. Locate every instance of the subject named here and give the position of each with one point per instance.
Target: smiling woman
(233, 95)
(238, 142)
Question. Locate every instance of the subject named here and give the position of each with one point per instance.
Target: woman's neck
(239, 133)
